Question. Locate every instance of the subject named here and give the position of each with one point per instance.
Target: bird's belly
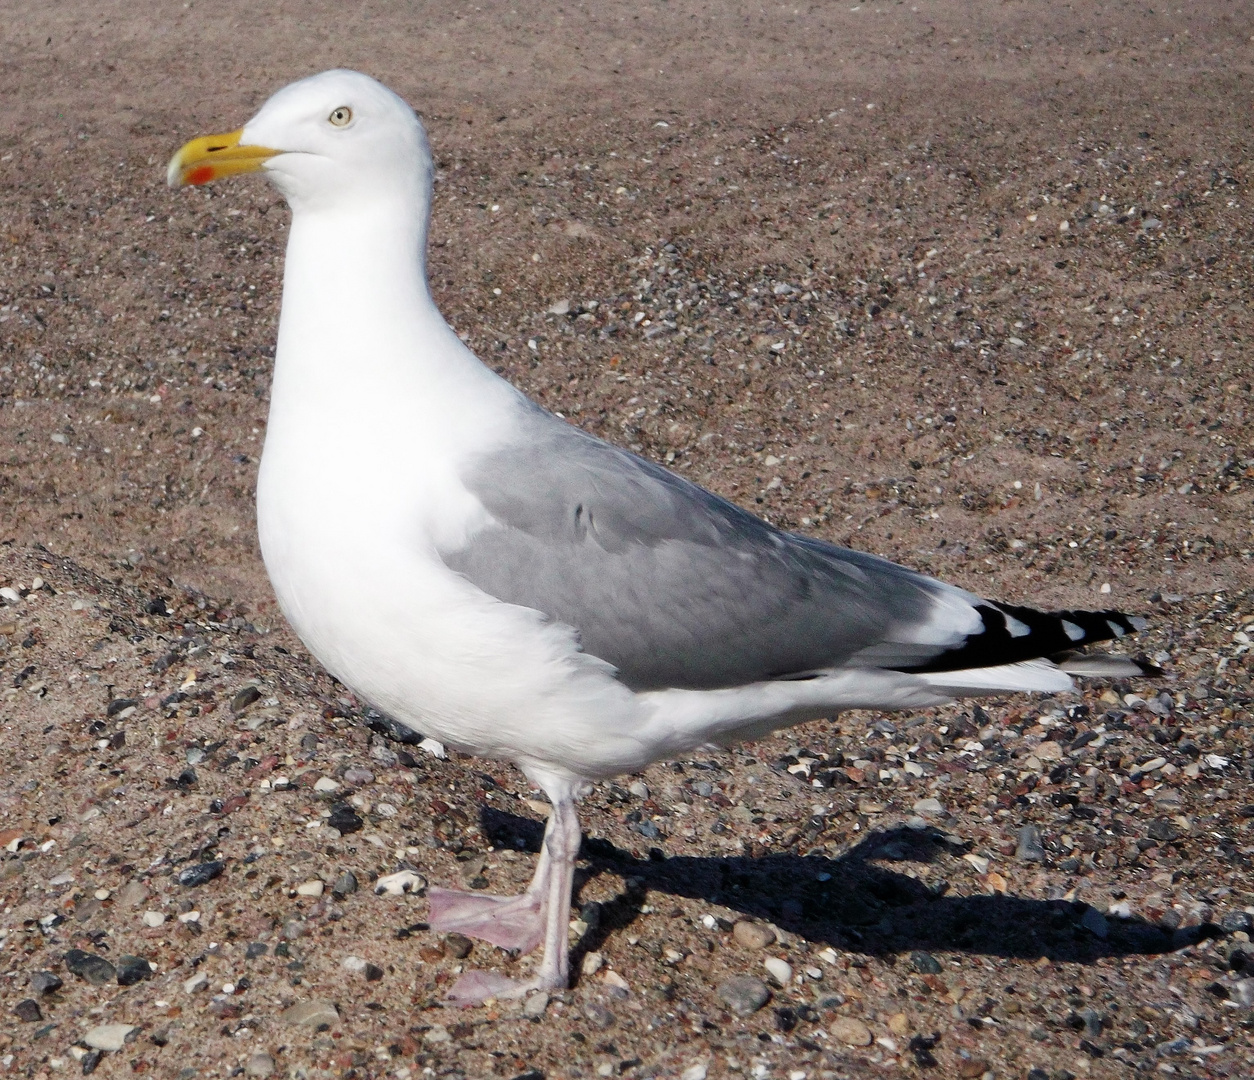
(427, 647)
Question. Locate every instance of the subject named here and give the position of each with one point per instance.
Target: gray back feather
(674, 586)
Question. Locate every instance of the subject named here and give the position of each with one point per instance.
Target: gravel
(744, 994)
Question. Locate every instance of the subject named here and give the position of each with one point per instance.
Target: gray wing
(672, 585)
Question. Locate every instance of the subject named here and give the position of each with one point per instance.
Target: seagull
(494, 577)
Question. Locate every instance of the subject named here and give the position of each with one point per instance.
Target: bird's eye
(341, 116)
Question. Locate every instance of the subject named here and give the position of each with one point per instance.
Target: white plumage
(458, 595)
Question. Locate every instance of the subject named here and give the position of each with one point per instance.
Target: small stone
(345, 819)
(592, 963)
(779, 970)
(1029, 847)
(310, 888)
(1095, 923)
(355, 964)
(85, 910)
(255, 949)
(978, 862)
(899, 1024)
(598, 1015)
(44, 982)
(259, 1064)
(358, 776)
(639, 789)
(1162, 830)
(200, 873)
(310, 1014)
(196, 984)
(130, 895)
(458, 946)
(1236, 922)
(1242, 992)
(851, 1032)
(925, 963)
(27, 1010)
(753, 935)
(533, 1008)
(373, 973)
(111, 1037)
(929, 807)
(345, 885)
(436, 1034)
(95, 969)
(400, 883)
(694, 1072)
(295, 928)
(152, 918)
(244, 697)
(132, 969)
(744, 994)
(90, 1060)
(971, 1068)
(325, 785)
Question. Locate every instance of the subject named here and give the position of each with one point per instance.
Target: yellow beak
(212, 157)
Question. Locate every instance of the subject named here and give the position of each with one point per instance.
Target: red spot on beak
(202, 174)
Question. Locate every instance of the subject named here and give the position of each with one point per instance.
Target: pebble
(200, 873)
(109, 1036)
(930, 807)
(598, 1015)
(357, 776)
(90, 1060)
(437, 1033)
(694, 1072)
(95, 969)
(753, 935)
(851, 1032)
(45, 982)
(132, 969)
(1242, 992)
(310, 1014)
(196, 984)
(971, 1068)
(899, 1024)
(591, 963)
(345, 885)
(1029, 847)
(255, 949)
(458, 946)
(259, 1064)
(295, 928)
(131, 895)
(779, 970)
(639, 789)
(1235, 922)
(925, 963)
(533, 1008)
(345, 819)
(1095, 923)
(243, 698)
(310, 888)
(27, 1010)
(355, 964)
(152, 918)
(404, 881)
(744, 994)
(325, 785)
(978, 862)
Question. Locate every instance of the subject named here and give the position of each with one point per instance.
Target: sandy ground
(965, 285)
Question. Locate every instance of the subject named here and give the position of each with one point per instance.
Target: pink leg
(511, 922)
(561, 846)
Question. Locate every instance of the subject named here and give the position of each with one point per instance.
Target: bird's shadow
(854, 902)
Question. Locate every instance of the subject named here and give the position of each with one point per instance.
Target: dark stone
(384, 725)
(255, 949)
(117, 705)
(373, 973)
(344, 818)
(95, 969)
(925, 963)
(458, 946)
(598, 1015)
(1162, 830)
(132, 969)
(200, 873)
(1236, 922)
(1030, 848)
(45, 982)
(744, 994)
(243, 698)
(345, 884)
(27, 1010)
(90, 1060)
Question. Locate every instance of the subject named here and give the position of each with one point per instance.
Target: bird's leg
(561, 844)
(511, 922)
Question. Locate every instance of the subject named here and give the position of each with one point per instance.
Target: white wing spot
(1017, 628)
(1115, 628)
(1075, 633)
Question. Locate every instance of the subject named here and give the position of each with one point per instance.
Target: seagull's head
(335, 136)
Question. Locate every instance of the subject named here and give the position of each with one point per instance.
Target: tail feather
(1013, 635)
